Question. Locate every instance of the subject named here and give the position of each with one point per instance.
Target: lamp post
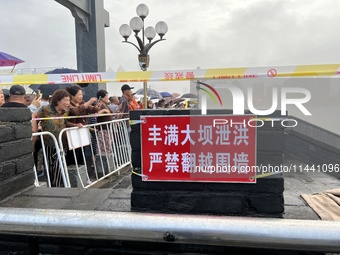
(137, 25)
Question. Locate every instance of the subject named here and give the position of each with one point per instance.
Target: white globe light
(125, 31)
(161, 28)
(136, 24)
(150, 33)
(142, 11)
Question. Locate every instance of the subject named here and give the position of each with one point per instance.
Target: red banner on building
(199, 148)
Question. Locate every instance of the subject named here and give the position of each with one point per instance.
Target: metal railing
(21, 71)
(266, 233)
(89, 154)
(45, 159)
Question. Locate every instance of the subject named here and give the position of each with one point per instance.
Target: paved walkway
(114, 195)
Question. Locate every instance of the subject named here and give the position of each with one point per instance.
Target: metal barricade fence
(45, 160)
(92, 153)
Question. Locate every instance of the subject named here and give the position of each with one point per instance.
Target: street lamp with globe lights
(137, 25)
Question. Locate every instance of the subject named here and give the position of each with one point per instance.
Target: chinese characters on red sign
(198, 148)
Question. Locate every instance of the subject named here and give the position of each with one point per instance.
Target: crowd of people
(54, 112)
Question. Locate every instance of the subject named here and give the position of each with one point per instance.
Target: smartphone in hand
(37, 94)
(95, 103)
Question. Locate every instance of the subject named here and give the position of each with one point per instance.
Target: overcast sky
(205, 34)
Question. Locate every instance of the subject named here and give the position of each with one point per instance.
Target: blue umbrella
(165, 94)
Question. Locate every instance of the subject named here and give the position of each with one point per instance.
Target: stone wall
(16, 148)
(315, 146)
(265, 198)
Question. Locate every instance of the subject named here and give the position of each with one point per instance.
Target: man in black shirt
(17, 96)
(124, 102)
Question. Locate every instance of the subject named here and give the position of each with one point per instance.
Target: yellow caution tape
(325, 70)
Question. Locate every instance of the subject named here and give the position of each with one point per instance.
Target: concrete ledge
(15, 184)
(273, 184)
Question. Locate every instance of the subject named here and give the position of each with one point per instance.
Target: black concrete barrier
(263, 199)
(16, 151)
(314, 146)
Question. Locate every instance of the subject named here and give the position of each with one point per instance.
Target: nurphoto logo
(239, 98)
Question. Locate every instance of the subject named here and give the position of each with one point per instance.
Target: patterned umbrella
(9, 60)
(151, 93)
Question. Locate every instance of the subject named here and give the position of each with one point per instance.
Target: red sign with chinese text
(199, 148)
